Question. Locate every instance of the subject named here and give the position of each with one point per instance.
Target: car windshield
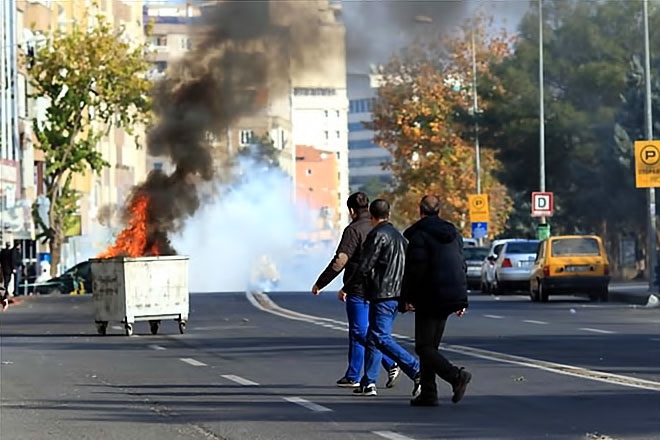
(527, 247)
(475, 253)
(575, 246)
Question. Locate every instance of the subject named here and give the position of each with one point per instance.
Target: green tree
(375, 187)
(93, 79)
(588, 46)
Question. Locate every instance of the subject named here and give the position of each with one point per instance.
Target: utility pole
(651, 254)
(475, 111)
(542, 220)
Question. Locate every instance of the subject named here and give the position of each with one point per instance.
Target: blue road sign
(479, 230)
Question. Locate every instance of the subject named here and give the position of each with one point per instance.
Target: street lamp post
(475, 111)
(651, 256)
(541, 110)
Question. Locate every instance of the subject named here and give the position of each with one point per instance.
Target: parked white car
(508, 265)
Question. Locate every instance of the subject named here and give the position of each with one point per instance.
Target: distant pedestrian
(7, 265)
(435, 286)
(347, 258)
(381, 273)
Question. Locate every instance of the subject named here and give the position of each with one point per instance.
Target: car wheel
(543, 293)
(533, 294)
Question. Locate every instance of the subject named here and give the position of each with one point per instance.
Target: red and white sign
(542, 204)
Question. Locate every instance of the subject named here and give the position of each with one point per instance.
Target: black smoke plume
(241, 51)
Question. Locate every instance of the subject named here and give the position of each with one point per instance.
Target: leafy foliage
(92, 80)
(420, 118)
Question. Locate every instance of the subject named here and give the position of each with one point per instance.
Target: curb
(641, 299)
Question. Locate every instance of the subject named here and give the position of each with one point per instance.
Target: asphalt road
(253, 370)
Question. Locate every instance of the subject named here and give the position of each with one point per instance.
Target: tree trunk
(55, 244)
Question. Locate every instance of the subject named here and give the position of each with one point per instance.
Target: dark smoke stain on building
(237, 53)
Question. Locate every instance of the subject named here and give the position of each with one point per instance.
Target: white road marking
(240, 380)
(655, 339)
(391, 435)
(531, 321)
(597, 330)
(157, 347)
(264, 303)
(494, 316)
(307, 404)
(193, 362)
(116, 327)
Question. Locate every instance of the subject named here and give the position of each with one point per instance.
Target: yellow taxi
(569, 265)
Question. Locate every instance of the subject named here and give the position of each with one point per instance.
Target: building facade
(365, 158)
(317, 192)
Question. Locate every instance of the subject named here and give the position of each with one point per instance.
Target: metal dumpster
(127, 290)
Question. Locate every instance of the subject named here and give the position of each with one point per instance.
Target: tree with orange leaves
(419, 116)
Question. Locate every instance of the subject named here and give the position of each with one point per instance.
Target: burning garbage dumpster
(151, 289)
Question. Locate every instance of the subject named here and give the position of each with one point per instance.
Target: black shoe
(393, 375)
(417, 387)
(462, 380)
(369, 390)
(424, 401)
(345, 382)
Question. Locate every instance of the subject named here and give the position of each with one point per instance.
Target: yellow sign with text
(647, 164)
(479, 211)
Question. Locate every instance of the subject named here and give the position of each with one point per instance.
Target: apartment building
(317, 192)
(365, 158)
(102, 194)
(320, 101)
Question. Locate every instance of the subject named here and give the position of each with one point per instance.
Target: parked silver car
(513, 266)
(474, 259)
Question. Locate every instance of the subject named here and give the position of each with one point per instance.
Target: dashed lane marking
(263, 302)
(532, 321)
(597, 330)
(157, 347)
(240, 380)
(193, 362)
(307, 404)
(494, 316)
(389, 435)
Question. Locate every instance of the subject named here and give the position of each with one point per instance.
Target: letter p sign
(650, 155)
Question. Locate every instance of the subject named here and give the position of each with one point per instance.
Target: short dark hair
(429, 205)
(358, 201)
(379, 209)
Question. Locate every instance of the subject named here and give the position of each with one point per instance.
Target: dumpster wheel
(128, 328)
(102, 327)
(182, 327)
(154, 325)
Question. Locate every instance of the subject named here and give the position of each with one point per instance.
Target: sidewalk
(633, 293)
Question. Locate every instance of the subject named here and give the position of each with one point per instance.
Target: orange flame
(132, 241)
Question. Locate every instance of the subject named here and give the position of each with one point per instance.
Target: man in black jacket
(381, 273)
(434, 286)
(347, 258)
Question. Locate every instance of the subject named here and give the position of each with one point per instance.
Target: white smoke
(256, 217)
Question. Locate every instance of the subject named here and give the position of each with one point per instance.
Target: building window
(308, 172)
(364, 144)
(299, 91)
(338, 134)
(158, 40)
(245, 137)
(327, 136)
(326, 113)
(356, 126)
(361, 105)
(338, 114)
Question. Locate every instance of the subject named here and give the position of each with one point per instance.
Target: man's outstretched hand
(315, 289)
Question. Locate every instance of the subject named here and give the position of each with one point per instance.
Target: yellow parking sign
(479, 211)
(647, 164)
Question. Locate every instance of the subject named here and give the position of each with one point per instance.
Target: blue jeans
(379, 339)
(357, 313)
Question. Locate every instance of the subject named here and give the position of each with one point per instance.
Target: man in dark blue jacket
(434, 286)
(347, 258)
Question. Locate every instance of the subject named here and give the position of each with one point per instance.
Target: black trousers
(428, 335)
